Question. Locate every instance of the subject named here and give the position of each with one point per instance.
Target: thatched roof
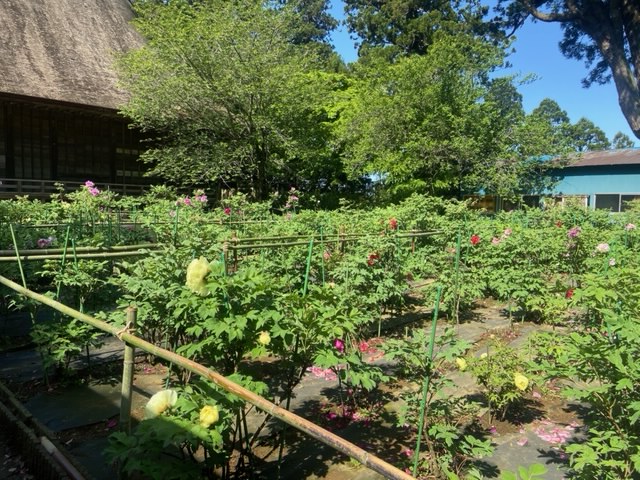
(63, 49)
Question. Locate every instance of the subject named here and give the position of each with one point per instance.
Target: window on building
(608, 201)
(624, 203)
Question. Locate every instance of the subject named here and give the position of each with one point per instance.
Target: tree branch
(566, 16)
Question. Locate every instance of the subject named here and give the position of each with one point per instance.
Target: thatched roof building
(63, 49)
(58, 94)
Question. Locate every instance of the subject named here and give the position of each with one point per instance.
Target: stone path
(96, 403)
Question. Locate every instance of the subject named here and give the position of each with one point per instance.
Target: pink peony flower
(630, 226)
(338, 344)
(227, 211)
(602, 248)
(574, 232)
(44, 242)
(89, 184)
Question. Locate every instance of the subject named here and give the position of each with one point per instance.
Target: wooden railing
(10, 187)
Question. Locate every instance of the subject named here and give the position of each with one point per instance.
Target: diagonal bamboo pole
(371, 461)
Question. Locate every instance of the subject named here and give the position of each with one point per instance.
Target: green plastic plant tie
(308, 269)
(322, 250)
(75, 254)
(109, 232)
(15, 246)
(223, 260)
(175, 228)
(64, 259)
(457, 272)
(396, 241)
(425, 388)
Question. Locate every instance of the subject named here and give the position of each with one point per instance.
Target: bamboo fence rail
(309, 428)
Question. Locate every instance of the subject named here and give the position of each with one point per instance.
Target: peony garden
(423, 332)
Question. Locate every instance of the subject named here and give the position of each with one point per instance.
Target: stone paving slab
(76, 406)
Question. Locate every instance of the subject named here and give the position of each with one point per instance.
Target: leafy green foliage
(497, 373)
(533, 472)
(444, 431)
(230, 93)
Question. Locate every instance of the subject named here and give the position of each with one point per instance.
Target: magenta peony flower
(574, 232)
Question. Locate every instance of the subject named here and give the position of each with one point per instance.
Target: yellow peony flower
(484, 355)
(462, 364)
(160, 402)
(264, 338)
(209, 415)
(521, 382)
(197, 271)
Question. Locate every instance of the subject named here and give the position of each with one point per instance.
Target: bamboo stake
(127, 375)
(52, 251)
(308, 268)
(96, 255)
(457, 277)
(17, 257)
(305, 426)
(425, 389)
(63, 261)
(322, 254)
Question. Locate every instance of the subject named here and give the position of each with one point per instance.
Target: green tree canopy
(227, 94)
(585, 135)
(620, 140)
(603, 33)
(409, 26)
(435, 122)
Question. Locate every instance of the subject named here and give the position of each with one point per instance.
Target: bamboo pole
(374, 463)
(334, 236)
(96, 255)
(341, 239)
(52, 251)
(127, 375)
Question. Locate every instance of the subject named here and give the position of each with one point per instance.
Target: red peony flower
(569, 293)
(559, 223)
(393, 223)
(371, 260)
(475, 239)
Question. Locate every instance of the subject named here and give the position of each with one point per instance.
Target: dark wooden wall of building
(45, 141)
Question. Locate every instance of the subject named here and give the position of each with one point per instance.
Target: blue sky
(537, 52)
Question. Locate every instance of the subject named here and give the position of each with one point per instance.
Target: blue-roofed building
(603, 179)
